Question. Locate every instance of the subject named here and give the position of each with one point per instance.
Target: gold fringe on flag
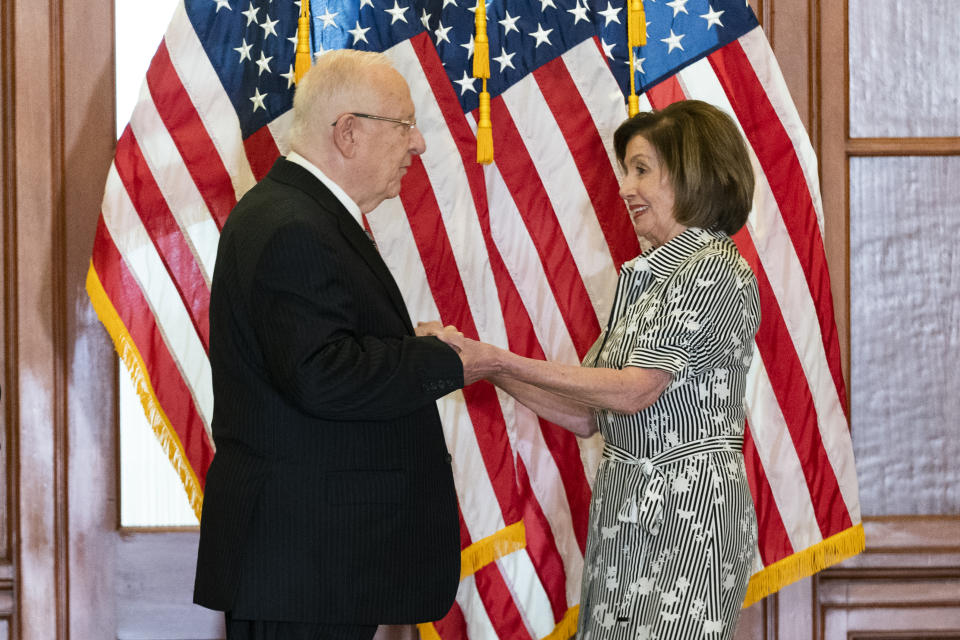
(304, 58)
(564, 630)
(636, 37)
(490, 549)
(481, 553)
(834, 549)
(481, 69)
(567, 627)
(128, 352)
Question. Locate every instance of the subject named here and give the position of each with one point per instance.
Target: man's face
(388, 147)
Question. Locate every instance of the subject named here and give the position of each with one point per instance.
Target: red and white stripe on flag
(522, 253)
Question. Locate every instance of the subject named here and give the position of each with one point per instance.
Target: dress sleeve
(696, 325)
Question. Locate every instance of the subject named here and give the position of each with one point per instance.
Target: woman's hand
(449, 334)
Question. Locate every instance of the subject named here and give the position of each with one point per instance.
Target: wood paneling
(57, 139)
(8, 443)
(906, 584)
(829, 67)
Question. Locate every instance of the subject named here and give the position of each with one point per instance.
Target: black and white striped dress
(672, 525)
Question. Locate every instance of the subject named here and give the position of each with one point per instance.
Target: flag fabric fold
(522, 253)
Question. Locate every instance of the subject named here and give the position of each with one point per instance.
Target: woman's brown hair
(707, 160)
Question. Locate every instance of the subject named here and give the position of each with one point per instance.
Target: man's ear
(346, 135)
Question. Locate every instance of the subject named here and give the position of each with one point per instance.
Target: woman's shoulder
(717, 258)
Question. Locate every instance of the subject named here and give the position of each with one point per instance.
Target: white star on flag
(264, 63)
(328, 18)
(611, 14)
(466, 83)
(397, 12)
(712, 17)
(244, 50)
(441, 33)
(509, 23)
(257, 99)
(678, 6)
(542, 36)
(673, 41)
(469, 47)
(268, 27)
(505, 60)
(251, 14)
(579, 12)
(359, 33)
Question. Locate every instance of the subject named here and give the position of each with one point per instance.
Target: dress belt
(645, 505)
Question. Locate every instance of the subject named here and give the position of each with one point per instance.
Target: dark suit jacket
(330, 497)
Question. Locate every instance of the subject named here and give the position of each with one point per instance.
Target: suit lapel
(295, 175)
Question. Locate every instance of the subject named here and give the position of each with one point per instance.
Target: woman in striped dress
(672, 526)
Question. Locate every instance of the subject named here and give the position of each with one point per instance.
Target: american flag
(522, 253)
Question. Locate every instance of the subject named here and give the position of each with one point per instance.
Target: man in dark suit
(329, 506)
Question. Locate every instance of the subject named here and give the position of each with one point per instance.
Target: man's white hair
(332, 86)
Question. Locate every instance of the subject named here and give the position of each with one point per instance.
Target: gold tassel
(636, 24)
(485, 129)
(636, 37)
(481, 69)
(304, 59)
(481, 44)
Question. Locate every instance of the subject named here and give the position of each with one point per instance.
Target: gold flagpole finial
(304, 58)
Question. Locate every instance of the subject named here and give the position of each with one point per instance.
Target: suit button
(449, 458)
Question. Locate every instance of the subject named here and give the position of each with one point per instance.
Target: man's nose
(417, 143)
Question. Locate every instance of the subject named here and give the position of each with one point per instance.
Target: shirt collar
(664, 260)
(334, 188)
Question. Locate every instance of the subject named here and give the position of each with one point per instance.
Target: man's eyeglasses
(410, 124)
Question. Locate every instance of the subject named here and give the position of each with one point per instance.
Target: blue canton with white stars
(252, 43)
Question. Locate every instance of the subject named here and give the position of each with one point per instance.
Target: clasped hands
(480, 360)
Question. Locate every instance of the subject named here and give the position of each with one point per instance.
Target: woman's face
(648, 193)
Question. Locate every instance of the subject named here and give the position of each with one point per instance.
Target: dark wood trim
(832, 77)
(813, 77)
(949, 634)
(9, 540)
(816, 613)
(134, 531)
(895, 574)
(771, 616)
(8, 225)
(58, 322)
(903, 146)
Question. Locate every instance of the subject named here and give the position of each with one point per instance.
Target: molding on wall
(940, 146)
(9, 406)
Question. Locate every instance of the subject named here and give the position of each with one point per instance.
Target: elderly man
(330, 505)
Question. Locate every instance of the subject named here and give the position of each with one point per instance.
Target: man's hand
(428, 328)
(448, 334)
(480, 360)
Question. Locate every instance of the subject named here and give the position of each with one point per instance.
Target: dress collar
(663, 260)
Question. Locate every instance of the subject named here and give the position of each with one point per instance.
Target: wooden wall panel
(7, 340)
(906, 585)
(88, 357)
(58, 368)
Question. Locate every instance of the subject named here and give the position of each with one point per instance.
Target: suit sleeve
(304, 305)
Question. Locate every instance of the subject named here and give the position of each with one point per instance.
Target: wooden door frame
(59, 382)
